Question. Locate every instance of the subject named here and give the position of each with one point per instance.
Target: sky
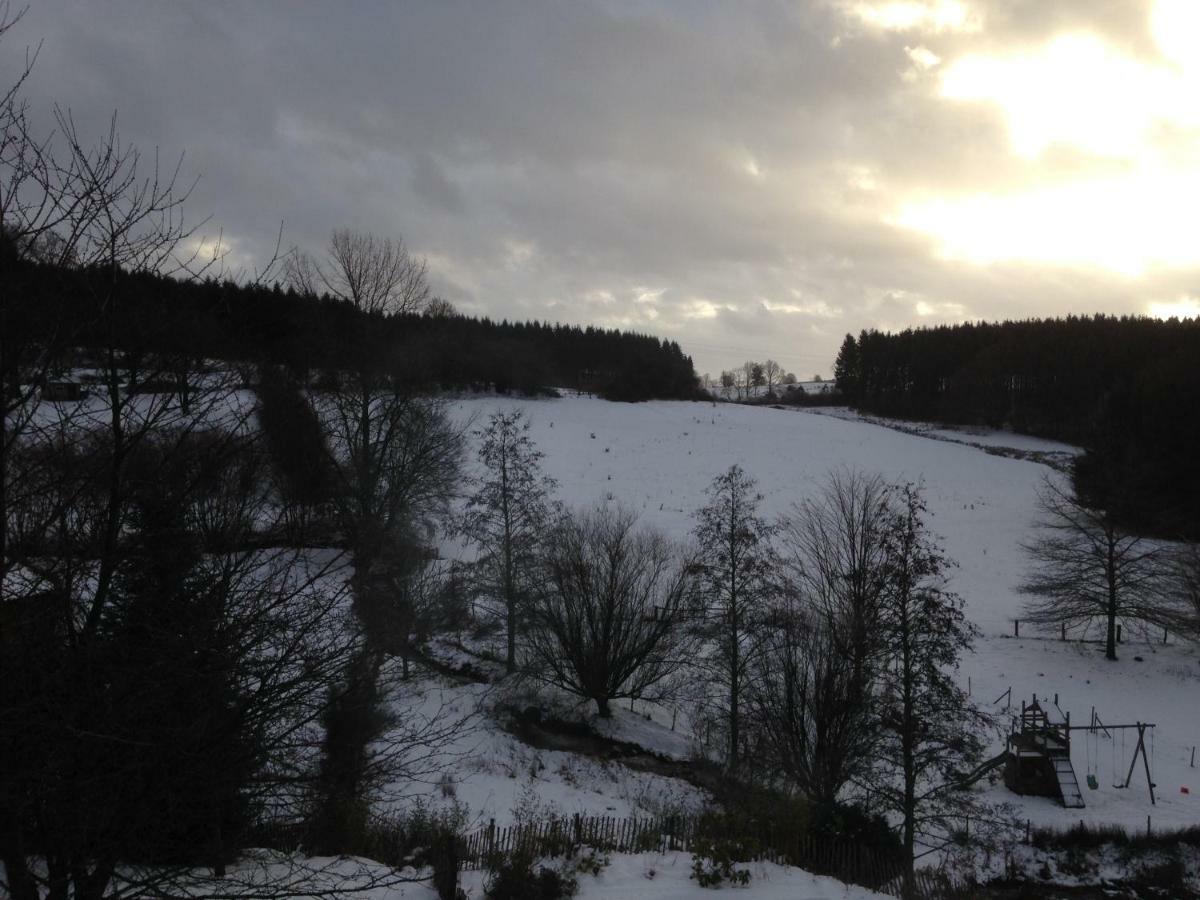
(751, 179)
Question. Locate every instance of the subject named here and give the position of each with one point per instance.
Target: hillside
(657, 458)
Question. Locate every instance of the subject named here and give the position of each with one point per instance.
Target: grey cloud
(541, 153)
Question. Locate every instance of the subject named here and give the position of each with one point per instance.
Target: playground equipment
(1037, 758)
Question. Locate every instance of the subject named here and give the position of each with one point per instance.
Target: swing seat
(1092, 782)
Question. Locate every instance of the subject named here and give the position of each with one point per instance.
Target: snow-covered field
(658, 458)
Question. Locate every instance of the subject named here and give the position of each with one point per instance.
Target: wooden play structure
(1037, 758)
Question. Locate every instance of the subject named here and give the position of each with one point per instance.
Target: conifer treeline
(1125, 388)
(253, 323)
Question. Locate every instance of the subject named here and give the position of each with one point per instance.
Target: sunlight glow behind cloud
(913, 15)
(1185, 308)
(1078, 92)
(1123, 225)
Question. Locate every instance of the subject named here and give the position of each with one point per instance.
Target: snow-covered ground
(971, 435)
(658, 458)
(500, 779)
(624, 876)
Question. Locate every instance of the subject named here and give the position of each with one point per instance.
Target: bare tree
(608, 607)
(734, 563)
(747, 378)
(930, 732)
(771, 373)
(1086, 567)
(161, 672)
(805, 707)
(377, 275)
(154, 731)
(814, 675)
(1185, 589)
(440, 308)
(395, 456)
(834, 555)
(508, 514)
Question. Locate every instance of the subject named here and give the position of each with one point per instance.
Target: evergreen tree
(846, 369)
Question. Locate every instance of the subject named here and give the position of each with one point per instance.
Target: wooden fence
(839, 858)
(845, 860)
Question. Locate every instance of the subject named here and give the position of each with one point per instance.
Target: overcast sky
(753, 179)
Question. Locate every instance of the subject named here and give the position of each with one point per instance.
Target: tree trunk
(112, 513)
(1110, 647)
(908, 742)
(510, 599)
(603, 708)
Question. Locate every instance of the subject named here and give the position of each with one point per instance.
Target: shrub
(512, 877)
(1169, 877)
(714, 861)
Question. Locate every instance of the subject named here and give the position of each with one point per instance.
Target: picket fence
(842, 859)
(838, 858)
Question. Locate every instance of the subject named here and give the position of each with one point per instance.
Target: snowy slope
(658, 458)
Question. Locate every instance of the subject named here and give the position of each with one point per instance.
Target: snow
(971, 435)
(658, 458)
(667, 876)
(499, 778)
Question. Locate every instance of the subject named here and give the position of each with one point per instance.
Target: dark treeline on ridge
(1125, 388)
(221, 319)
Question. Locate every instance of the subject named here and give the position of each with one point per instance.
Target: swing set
(1038, 753)
(1093, 752)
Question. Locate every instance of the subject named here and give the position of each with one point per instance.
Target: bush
(713, 861)
(425, 828)
(1169, 877)
(513, 877)
(853, 823)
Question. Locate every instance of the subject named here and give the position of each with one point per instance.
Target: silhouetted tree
(607, 608)
(847, 373)
(508, 514)
(770, 375)
(734, 562)
(815, 672)
(1086, 567)
(930, 732)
